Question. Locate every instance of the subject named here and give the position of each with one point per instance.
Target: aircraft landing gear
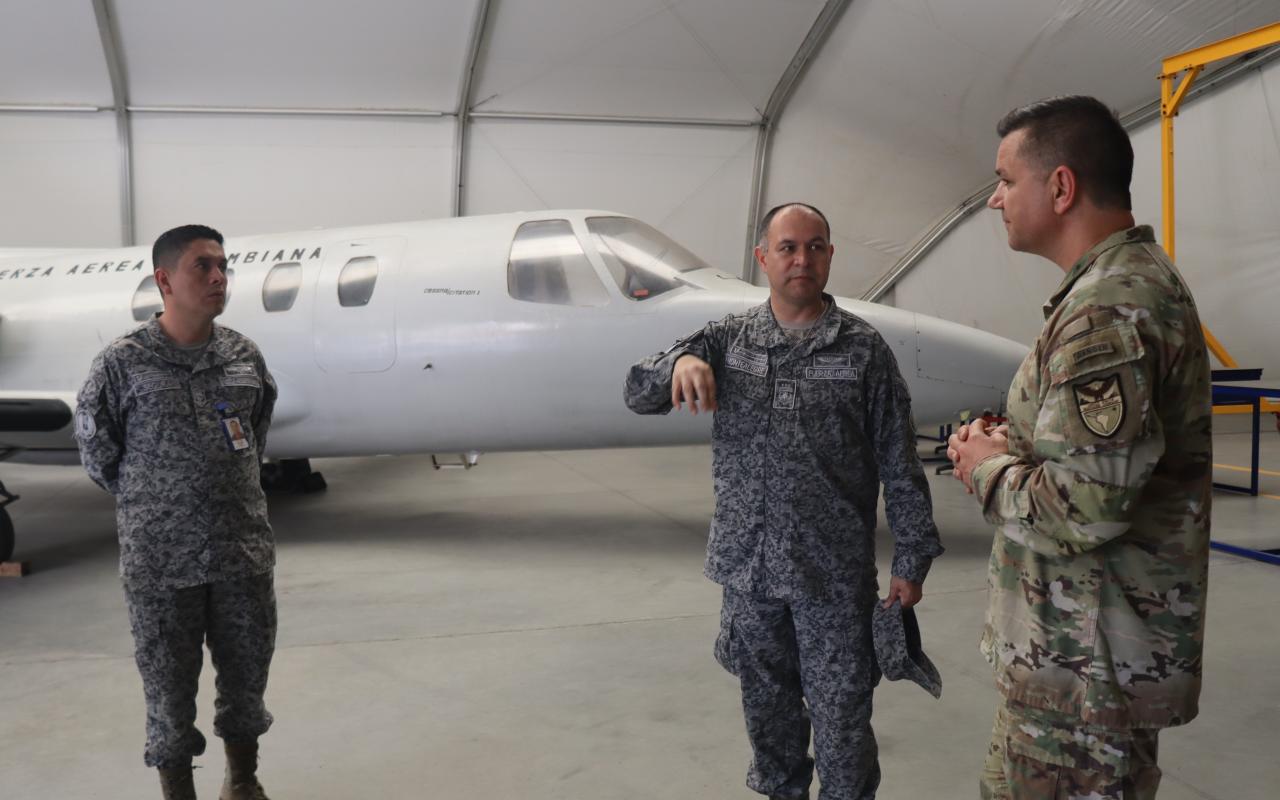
(6, 524)
(292, 476)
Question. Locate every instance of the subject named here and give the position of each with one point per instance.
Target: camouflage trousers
(238, 620)
(787, 654)
(1045, 755)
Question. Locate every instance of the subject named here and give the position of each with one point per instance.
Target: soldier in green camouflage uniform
(172, 421)
(1100, 485)
(812, 416)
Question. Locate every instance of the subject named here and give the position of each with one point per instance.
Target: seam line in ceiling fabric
(936, 232)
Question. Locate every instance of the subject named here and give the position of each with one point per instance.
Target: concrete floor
(539, 628)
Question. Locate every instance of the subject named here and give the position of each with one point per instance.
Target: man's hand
(904, 590)
(971, 444)
(693, 381)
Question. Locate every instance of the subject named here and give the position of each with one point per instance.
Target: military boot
(241, 782)
(177, 783)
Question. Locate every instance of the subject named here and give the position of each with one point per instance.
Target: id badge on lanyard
(232, 428)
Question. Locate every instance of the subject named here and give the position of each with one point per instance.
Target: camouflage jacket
(804, 435)
(189, 509)
(1100, 563)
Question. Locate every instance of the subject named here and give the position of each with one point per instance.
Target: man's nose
(994, 200)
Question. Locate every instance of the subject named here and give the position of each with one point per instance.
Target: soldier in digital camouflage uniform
(172, 421)
(811, 417)
(1100, 485)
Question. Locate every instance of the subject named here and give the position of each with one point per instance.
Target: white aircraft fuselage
(455, 350)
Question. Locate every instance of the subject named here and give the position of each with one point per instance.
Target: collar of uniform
(218, 351)
(764, 331)
(1138, 233)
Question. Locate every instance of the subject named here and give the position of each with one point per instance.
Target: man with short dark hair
(172, 421)
(1099, 485)
(812, 416)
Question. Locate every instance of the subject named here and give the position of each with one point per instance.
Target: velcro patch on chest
(1101, 404)
(154, 382)
(246, 380)
(749, 361)
(832, 367)
(784, 394)
(239, 369)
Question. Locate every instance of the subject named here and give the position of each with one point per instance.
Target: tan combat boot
(177, 783)
(241, 782)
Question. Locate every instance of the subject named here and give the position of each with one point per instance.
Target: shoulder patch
(1099, 349)
(86, 427)
(1101, 404)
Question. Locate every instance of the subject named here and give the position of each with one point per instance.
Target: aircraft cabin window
(280, 289)
(643, 261)
(547, 265)
(146, 300)
(356, 281)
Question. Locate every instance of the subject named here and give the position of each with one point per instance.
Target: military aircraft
(454, 336)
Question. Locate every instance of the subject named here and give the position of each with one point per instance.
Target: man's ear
(1063, 189)
(162, 281)
(759, 256)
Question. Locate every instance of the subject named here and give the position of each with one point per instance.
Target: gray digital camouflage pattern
(787, 652)
(1046, 755)
(196, 550)
(806, 431)
(1099, 568)
(805, 434)
(189, 509)
(238, 618)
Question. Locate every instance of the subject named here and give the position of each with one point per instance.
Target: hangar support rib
(813, 41)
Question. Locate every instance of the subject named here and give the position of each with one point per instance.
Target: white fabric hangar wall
(258, 174)
(60, 175)
(1227, 148)
(693, 183)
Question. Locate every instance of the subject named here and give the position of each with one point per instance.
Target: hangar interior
(539, 627)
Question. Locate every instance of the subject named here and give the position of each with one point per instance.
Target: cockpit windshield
(644, 262)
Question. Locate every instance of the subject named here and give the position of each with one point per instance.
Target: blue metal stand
(1247, 392)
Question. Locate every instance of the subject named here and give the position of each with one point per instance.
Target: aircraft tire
(6, 536)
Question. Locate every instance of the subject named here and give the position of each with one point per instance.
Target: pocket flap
(1096, 350)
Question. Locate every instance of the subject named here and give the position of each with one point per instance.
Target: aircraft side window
(547, 265)
(146, 299)
(643, 261)
(280, 289)
(356, 281)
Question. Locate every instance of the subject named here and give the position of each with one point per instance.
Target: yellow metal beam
(1217, 349)
(1267, 407)
(1166, 162)
(1178, 96)
(1237, 45)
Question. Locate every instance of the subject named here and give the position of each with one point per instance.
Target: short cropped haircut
(762, 232)
(1080, 133)
(171, 244)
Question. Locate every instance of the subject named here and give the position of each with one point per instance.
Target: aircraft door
(355, 322)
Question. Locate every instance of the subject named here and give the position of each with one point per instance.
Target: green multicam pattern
(1099, 568)
(1044, 755)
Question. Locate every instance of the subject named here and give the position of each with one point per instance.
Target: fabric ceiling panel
(692, 183)
(895, 123)
(295, 53)
(264, 174)
(61, 179)
(703, 59)
(51, 54)
(1227, 150)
